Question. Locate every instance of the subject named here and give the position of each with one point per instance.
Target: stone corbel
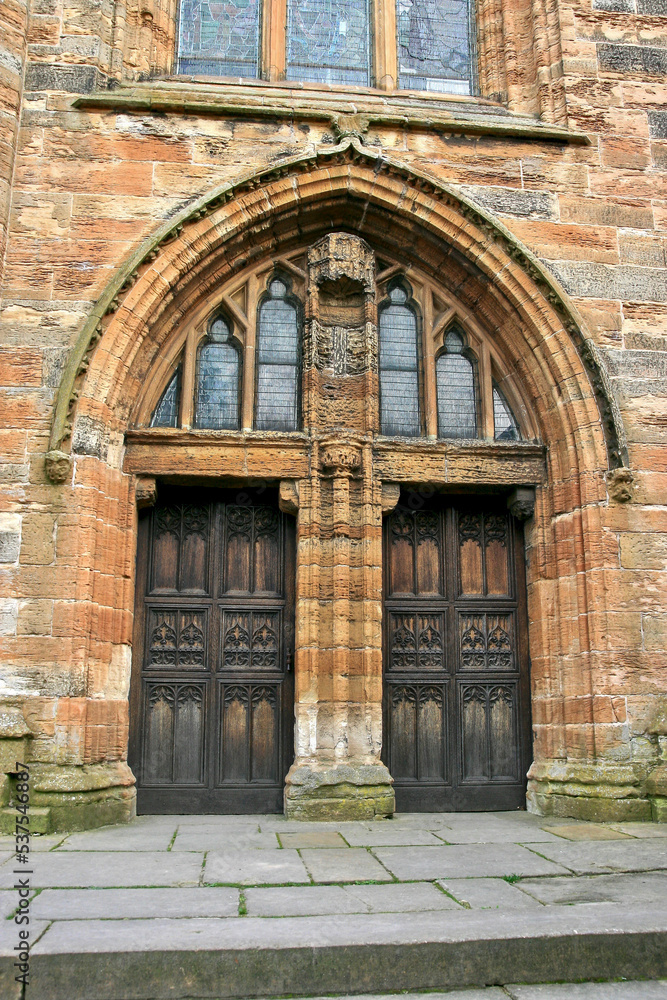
(620, 484)
(58, 466)
(145, 492)
(390, 495)
(521, 502)
(288, 496)
(340, 458)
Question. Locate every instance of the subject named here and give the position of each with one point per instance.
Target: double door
(212, 694)
(456, 688)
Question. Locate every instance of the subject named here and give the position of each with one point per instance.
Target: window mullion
(250, 354)
(188, 387)
(430, 396)
(487, 423)
(385, 64)
(274, 27)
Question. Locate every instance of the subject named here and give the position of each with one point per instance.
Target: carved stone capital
(521, 502)
(288, 496)
(340, 458)
(145, 492)
(58, 466)
(619, 485)
(390, 496)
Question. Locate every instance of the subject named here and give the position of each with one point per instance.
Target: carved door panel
(456, 687)
(212, 690)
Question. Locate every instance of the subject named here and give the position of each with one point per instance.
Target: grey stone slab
(648, 60)
(59, 869)
(353, 864)
(383, 835)
(591, 991)
(107, 904)
(225, 957)
(312, 838)
(590, 831)
(511, 201)
(6, 856)
(465, 860)
(120, 838)
(625, 889)
(604, 281)
(489, 893)
(43, 842)
(301, 901)
(252, 867)
(657, 121)
(488, 993)
(210, 839)
(608, 856)
(644, 831)
(397, 898)
(496, 832)
(8, 902)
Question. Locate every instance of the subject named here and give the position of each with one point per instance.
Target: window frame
(413, 306)
(383, 50)
(265, 296)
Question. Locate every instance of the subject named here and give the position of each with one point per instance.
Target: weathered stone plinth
(317, 790)
(600, 791)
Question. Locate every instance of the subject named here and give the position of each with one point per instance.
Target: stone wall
(95, 179)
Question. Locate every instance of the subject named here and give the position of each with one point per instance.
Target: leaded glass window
(399, 367)
(166, 411)
(328, 41)
(217, 383)
(506, 427)
(435, 45)
(456, 385)
(219, 39)
(277, 401)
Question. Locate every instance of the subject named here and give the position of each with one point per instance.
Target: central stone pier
(337, 772)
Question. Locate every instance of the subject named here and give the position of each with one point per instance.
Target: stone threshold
(253, 957)
(345, 114)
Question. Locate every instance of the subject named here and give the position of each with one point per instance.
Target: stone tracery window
(415, 44)
(236, 364)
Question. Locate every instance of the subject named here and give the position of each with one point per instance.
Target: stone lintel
(349, 790)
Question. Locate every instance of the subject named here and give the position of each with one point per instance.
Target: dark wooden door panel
(212, 698)
(456, 697)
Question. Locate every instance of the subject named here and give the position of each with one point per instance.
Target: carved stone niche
(340, 342)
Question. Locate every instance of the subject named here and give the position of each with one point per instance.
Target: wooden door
(456, 687)
(212, 698)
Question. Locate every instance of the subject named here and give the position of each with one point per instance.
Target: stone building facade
(334, 413)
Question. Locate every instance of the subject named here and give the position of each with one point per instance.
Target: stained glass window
(219, 39)
(166, 411)
(399, 367)
(456, 389)
(328, 41)
(506, 427)
(435, 45)
(217, 388)
(277, 362)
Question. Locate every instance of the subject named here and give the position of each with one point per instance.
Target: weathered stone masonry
(539, 210)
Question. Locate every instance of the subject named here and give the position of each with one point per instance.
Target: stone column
(337, 772)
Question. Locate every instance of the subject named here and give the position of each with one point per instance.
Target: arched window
(217, 383)
(277, 402)
(399, 367)
(504, 422)
(456, 384)
(166, 411)
(219, 39)
(328, 42)
(435, 45)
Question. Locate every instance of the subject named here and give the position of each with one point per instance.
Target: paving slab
(624, 889)
(312, 838)
(418, 897)
(251, 867)
(591, 831)
(591, 858)
(465, 860)
(301, 901)
(8, 902)
(38, 842)
(120, 838)
(383, 835)
(496, 832)
(488, 993)
(590, 991)
(59, 869)
(490, 893)
(252, 956)
(642, 830)
(119, 904)
(353, 864)
(208, 839)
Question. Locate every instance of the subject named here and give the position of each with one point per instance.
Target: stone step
(152, 959)
(40, 820)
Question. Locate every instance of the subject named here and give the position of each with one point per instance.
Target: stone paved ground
(198, 873)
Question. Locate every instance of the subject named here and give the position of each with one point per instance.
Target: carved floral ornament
(129, 280)
(341, 458)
